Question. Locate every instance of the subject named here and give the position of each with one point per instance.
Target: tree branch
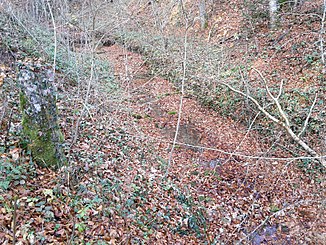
(308, 116)
(284, 124)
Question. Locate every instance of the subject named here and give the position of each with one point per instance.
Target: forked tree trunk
(39, 116)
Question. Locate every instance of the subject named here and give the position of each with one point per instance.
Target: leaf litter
(118, 188)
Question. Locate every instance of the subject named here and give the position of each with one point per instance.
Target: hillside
(160, 146)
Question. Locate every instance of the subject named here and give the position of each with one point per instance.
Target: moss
(41, 146)
(23, 101)
(61, 137)
(172, 112)
(41, 137)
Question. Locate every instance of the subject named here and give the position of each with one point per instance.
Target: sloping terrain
(226, 181)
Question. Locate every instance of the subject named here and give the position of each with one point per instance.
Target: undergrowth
(35, 42)
(167, 63)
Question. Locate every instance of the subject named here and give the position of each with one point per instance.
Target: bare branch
(274, 119)
(308, 116)
(286, 120)
(279, 212)
(184, 67)
(284, 125)
(54, 36)
(280, 91)
(321, 35)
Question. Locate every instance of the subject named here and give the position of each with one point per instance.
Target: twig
(14, 221)
(274, 119)
(284, 124)
(143, 85)
(9, 8)
(298, 14)
(89, 84)
(54, 35)
(321, 35)
(240, 155)
(243, 139)
(245, 81)
(184, 65)
(265, 220)
(276, 101)
(253, 121)
(288, 41)
(72, 232)
(246, 216)
(211, 31)
(308, 116)
(8, 130)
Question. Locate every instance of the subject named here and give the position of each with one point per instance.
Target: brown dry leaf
(2, 77)
(15, 153)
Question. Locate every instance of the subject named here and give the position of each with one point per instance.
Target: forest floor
(120, 187)
(123, 185)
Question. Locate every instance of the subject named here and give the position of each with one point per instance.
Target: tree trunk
(39, 116)
(203, 14)
(273, 13)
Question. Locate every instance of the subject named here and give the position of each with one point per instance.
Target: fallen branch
(308, 116)
(283, 122)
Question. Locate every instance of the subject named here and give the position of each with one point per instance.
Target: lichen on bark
(39, 115)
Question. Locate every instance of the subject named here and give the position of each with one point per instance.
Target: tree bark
(273, 13)
(203, 14)
(39, 116)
